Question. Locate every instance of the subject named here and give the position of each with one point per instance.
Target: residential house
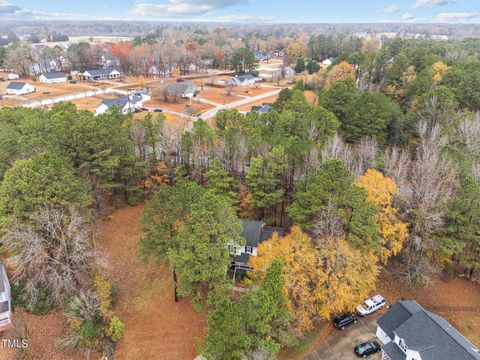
(19, 88)
(155, 71)
(53, 78)
(102, 74)
(12, 76)
(288, 72)
(279, 52)
(244, 80)
(409, 332)
(265, 72)
(262, 55)
(126, 104)
(254, 232)
(261, 109)
(327, 62)
(184, 90)
(5, 299)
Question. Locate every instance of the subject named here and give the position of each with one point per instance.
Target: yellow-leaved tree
(381, 191)
(321, 280)
(440, 69)
(342, 71)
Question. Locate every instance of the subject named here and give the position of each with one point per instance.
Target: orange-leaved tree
(381, 192)
(342, 71)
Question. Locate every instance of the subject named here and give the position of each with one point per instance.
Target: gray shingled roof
(397, 315)
(242, 258)
(101, 72)
(16, 85)
(252, 231)
(182, 88)
(54, 75)
(393, 351)
(122, 101)
(427, 333)
(244, 77)
(255, 232)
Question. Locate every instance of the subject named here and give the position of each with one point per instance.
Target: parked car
(145, 109)
(371, 305)
(73, 82)
(2, 79)
(342, 321)
(157, 110)
(367, 348)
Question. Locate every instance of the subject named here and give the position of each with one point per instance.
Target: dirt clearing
(155, 326)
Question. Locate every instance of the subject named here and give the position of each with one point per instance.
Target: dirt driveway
(340, 344)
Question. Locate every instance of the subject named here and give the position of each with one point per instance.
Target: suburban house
(185, 90)
(409, 332)
(327, 62)
(53, 78)
(261, 109)
(155, 71)
(261, 55)
(19, 88)
(5, 299)
(244, 80)
(102, 74)
(266, 72)
(288, 72)
(126, 103)
(279, 52)
(254, 233)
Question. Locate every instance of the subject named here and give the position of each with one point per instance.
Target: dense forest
(386, 167)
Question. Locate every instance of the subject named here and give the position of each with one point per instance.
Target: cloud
(19, 13)
(456, 17)
(8, 8)
(391, 9)
(245, 18)
(174, 8)
(407, 17)
(422, 3)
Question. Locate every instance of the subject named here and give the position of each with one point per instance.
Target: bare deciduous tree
(54, 254)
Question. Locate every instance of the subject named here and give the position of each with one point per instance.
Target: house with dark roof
(53, 78)
(266, 107)
(5, 299)
(262, 55)
(244, 80)
(185, 89)
(19, 88)
(409, 332)
(126, 103)
(102, 74)
(254, 232)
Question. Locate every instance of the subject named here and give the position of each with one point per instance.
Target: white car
(371, 305)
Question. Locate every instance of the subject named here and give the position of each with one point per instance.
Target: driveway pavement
(339, 345)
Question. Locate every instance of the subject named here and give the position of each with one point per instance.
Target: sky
(256, 11)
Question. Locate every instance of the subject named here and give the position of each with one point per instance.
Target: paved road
(339, 345)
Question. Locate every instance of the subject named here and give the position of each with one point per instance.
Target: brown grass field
(248, 107)
(181, 105)
(218, 95)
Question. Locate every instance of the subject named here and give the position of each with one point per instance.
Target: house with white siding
(126, 104)
(244, 80)
(5, 299)
(102, 74)
(409, 332)
(254, 232)
(19, 88)
(53, 78)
